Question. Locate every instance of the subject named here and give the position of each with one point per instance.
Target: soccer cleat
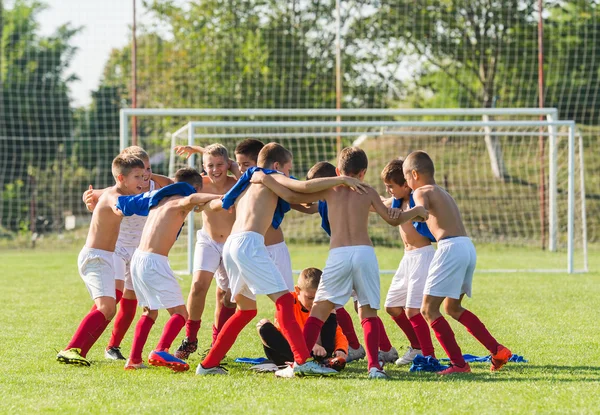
(356, 354)
(426, 364)
(312, 368)
(114, 353)
(408, 357)
(388, 357)
(266, 366)
(164, 358)
(217, 370)
(286, 372)
(186, 349)
(336, 363)
(500, 358)
(134, 366)
(455, 369)
(375, 373)
(72, 357)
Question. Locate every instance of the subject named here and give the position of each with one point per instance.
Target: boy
(451, 271)
(405, 295)
(356, 351)
(251, 270)
(333, 345)
(130, 233)
(96, 259)
(352, 263)
(155, 284)
(216, 227)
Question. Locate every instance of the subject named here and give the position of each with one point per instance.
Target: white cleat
(408, 357)
(312, 368)
(286, 372)
(134, 366)
(375, 373)
(389, 356)
(356, 354)
(217, 370)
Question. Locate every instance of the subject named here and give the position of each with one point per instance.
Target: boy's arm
(187, 151)
(90, 197)
(197, 199)
(161, 181)
(284, 192)
(318, 185)
(234, 168)
(387, 202)
(305, 208)
(420, 198)
(402, 217)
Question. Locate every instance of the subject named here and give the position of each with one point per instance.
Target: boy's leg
(196, 303)
(124, 318)
(371, 328)
(142, 330)
(318, 314)
(345, 322)
(284, 303)
(93, 325)
(328, 334)
(224, 309)
(421, 330)
(232, 328)
(161, 356)
(398, 314)
(275, 345)
(442, 330)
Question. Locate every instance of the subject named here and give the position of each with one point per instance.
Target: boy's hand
(356, 185)
(257, 177)
(89, 200)
(394, 213)
(340, 353)
(234, 168)
(421, 214)
(187, 151)
(319, 351)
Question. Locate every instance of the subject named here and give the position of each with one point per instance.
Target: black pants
(278, 349)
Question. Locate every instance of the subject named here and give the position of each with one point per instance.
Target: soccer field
(551, 319)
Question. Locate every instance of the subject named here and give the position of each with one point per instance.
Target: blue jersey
(421, 227)
(141, 204)
(243, 182)
(324, 217)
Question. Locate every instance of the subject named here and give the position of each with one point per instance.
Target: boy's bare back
(217, 224)
(348, 216)
(444, 220)
(104, 227)
(254, 209)
(410, 237)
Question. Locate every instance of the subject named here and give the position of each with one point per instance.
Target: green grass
(551, 319)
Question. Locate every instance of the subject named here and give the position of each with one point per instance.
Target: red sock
(345, 322)
(227, 337)
(445, 336)
(311, 331)
(478, 330)
(142, 330)
(290, 328)
(123, 320)
(371, 329)
(384, 341)
(404, 324)
(87, 332)
(421, 329)
(225, 314)
(170, 332)
(191, 329)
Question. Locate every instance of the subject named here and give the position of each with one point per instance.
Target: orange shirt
(301, 314)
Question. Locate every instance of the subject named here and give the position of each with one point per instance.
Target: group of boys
(136, 222)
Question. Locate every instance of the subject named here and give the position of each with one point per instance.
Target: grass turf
(548, 318)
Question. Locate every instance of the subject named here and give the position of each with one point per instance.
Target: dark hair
(124, 163)
(249, 148)
(321, 169)
(273, 153)
(392, 172)
(352, 160)
(309, 278)
(188, 175)
(420, 162)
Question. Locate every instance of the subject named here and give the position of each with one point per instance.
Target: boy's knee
(261, 324)
(394, 311)
(152, 314)
(200, 287)
(108, 310)
(453, 310)
(411, 312)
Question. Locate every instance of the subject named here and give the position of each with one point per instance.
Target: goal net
(492, 168)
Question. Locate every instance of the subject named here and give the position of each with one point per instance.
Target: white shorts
(208, 254)
(221, 277)
(408, 283)
(250, 268)
(280, 254)
(156, 286)
(452, 267)
(96, 268)
(123, 255)
(348, 268)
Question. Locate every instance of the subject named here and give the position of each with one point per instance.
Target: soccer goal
(492, 168)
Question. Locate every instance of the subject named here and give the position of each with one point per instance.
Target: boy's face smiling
(397, 191)
(216, 167)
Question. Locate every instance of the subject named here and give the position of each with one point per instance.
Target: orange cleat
(500, 358)
(456, 369)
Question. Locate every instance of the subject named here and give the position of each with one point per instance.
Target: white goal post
(193, 131)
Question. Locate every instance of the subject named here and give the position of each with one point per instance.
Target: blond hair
(216, 150)
(125, 163)
(136, 151)
(309, 279)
